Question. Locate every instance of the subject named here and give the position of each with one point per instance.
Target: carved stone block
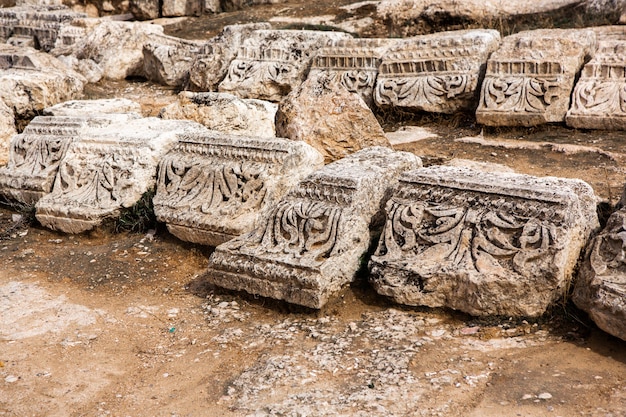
(167, 59)
(213, 187)
(7, 131)
(601, 285)
(90, 107)
(481, 242)
(529, 80)
(312, 242)
(107, 170)
(435, 73)
(270, 63)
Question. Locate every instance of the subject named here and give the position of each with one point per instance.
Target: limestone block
(225, 113)
(35, 154)
(91, 107)
(145, 9)
(7, 131)
(355, 62)
(324, 114)
(481, 242)
(171, 8)
(601, 285)
(167, 59)
(108, 169)
(313, 241)
(270, 63)
(213, 187)
(529, 80)
(435, 73)
(211, 65)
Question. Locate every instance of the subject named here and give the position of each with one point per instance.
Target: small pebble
(11, 378)
(527, 397)
(544, 396)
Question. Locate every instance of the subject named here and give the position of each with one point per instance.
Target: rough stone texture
(108, 169)
(7, 131)
(271, 63)
(435, 73)
(601, 285)
(324, 114)
(483, 243)
(90, 107)
(167, 60)
(213, 187)
(529, 80)
(172, 8)
(225, 113)
(211, 65)
(355, 62)
(145, 9)
(312, 243)
(35, 154)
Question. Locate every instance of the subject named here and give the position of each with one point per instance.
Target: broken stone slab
(145, 9)
(312, 243)
(108, 170)
(35, 154)
(324, 114)
(167, 59)
(438, 73)
(485, 243)
(7, 131)
(172, 8)
(529, 80)
(91, 107)
(271, 63)
(213, 187)
(210, 66)
(600, 289)
(225, 113)
(355, 62)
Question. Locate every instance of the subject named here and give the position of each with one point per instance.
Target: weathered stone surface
(601, 285)
(211, 65)
(145, 9)
(7, 130)
(312, 243)
(108, 169)
(91, 107)
(355, 62)
(171, 8)
(529, 80)
(225, 113)
(324, 114)
(271, 63)
(35, 154)
(213, 187)
(167, 60)
(435, 73)
(483, 243)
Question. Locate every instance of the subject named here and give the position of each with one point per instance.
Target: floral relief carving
(520, 94)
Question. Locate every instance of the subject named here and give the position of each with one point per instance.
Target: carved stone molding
(167, 59)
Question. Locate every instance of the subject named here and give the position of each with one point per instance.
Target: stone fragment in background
(600, 289)
(437, 73)
(91, 107)
(173, 8)
(313, 242)
(145, 9)
(481, 242)
(529, 80)
(35, 154)
(107, 170)
(167, 59)
(355, 62)
(225, 113)
(211, 65)
(324, 114)
(271, 63)
(7, 131)
(213, 187)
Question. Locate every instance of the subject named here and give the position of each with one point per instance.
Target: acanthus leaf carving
(519, 94)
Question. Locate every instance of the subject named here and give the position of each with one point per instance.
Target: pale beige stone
(312, 243)
(225, 113)
(145, 9)
(93, 107)
(167, 59)
(171, 8)
(485, 243)
(324, 114)
(213, 187)
(7, 131)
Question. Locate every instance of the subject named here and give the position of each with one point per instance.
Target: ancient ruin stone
(107, 170)
(270, 63)
(355, 62)
(313, 241)
(213, 187)
(7, 130)
(601, 285)
(435, 73)
(324, 114)
(167, 60)
(225, 113)
(529, 80)
(211, 65)
(480, 242)
(91, 107)
(172, 8)
(35, 154)
(145, 9)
